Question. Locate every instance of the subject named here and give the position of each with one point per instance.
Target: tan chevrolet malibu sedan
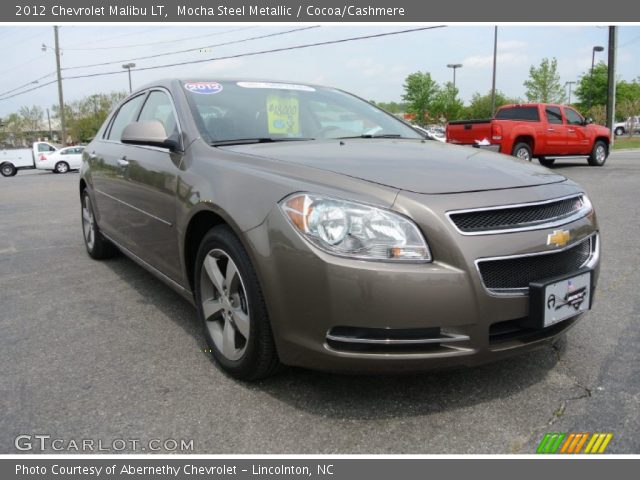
(311, 228)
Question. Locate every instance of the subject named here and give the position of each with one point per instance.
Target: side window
(554, 115)
(573, 117)
(124, 117)
(43, 147)
(159, 107)
(526, 113)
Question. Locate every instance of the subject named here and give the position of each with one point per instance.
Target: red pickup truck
(535, 130)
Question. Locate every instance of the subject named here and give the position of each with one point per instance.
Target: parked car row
(41, 155)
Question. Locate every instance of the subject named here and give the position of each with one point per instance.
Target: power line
(263, 52)
(184, 39)
(27, 84)
(242, 40)
(122, 35)
(248, 54)
(30, 90)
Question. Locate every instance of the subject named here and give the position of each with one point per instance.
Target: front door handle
(123, 162)
(571, 131)
(551, 129)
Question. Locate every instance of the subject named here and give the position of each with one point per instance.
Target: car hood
(413, 165)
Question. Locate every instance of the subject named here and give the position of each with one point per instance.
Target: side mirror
(149, 132)
(588, 121)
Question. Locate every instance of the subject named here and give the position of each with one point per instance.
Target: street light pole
(597, 48)
(63, 127)
(493, 81)
(455, 66)
(128, 67)
(569, 83)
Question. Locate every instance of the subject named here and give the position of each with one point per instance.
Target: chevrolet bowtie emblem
(559, 238)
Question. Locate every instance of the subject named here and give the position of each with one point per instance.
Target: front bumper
(432, 315)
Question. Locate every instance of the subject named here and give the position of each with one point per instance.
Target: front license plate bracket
(554, 300)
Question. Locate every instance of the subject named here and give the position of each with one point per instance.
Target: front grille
(518, 272)
(515, 218)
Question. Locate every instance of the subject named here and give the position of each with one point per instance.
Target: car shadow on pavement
(359, 397)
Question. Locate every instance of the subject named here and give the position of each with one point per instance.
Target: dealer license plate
(566, 298)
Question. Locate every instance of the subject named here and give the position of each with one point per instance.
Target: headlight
(351, 229)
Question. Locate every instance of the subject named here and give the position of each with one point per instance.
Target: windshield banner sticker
(280, 86)
(203, 88)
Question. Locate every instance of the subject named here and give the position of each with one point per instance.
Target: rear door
(556, 132)
(578, 140)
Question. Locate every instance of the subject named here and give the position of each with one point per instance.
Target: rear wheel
(599, 154)
(231, 308)
(619, 131)
(61, 167)
(8, 170)
(98, 247)
(522, 151)
(547, 162)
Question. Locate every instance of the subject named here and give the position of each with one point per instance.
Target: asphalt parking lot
(104, 351)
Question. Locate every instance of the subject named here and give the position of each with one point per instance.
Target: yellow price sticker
(283, 115)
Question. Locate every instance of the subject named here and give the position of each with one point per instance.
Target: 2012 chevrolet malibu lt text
(311, 228)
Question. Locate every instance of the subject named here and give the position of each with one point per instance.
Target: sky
(373, 68)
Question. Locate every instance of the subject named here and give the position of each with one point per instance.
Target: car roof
(176, 82)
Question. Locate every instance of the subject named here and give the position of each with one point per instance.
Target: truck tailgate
(467, 132)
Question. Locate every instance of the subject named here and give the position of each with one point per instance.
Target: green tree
(446, 103)
(626, 92)
(14, 129)
(596, 84)
(420, 90)
(31, 118)
(544, 84)
(391, 107)
(480, 106)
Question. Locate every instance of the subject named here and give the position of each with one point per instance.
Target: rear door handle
(551, 129)
(571, 131)
(123, 162)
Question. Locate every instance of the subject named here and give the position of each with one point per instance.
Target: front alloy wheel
(224, 304)
(231, 307)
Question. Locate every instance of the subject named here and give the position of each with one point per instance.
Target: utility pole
(611, 87)
(60, 96)
(493, 82)
(569, 83)
(50, 131)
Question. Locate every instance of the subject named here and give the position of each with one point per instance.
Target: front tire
(61, 167)
(599, 154)
(547, 162)
(522, 151)
(98, 247)
(619, 131)
(231, 308)
(8, 170)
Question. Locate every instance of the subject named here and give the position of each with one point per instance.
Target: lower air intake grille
(518, 272)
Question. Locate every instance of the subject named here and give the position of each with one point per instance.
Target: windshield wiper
(245, 141)
(381, 135)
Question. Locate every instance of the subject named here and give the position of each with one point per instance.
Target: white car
(61, 161)
(632, 124)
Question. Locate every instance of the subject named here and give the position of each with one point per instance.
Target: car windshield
(246, 112)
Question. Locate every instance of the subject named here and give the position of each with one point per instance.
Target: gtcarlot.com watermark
(29, 442)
